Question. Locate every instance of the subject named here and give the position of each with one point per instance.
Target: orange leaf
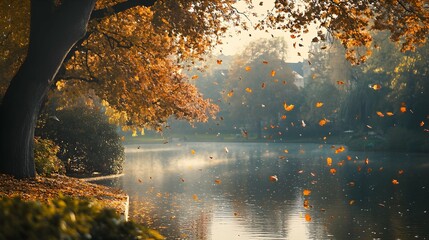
(319, 104)
(340, 82)
(366, 161)
(349, 158)
(219, 61)
(265, 62)
(380, 114)
(422, 124)
(249, 90)
(194, 77)
(376, 87)
(284, 117)
(192, 151)
(248, 68)
(340, 149)
(195, 197)
(322, 122)
(351, 202)
(306, 192)
(218, 181)
(306, 204)
(273, 178)
(307, 217)
(395, 182)
(389, 114)
(329, 161)
(288, 107)
(231, 93)
(273, 73)
(333, 171)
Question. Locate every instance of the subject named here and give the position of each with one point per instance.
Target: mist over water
(201, 191)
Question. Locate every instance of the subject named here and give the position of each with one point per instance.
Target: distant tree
(259, 85)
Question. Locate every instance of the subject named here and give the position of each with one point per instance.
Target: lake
(256, 191)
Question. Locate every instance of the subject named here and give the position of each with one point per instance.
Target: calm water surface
(202, 191)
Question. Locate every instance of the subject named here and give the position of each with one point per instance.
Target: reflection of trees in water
(264, 207)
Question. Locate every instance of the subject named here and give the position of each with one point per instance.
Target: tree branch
(120, 7)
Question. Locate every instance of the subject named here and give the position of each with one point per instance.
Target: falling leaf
(288, 108)
(192, 151)
(375, 86)
(329, 161)
(333, 171)
(231, 93)
(248, 68)
(307, 217)
(306, 192)
(340, 149)
(319, 104)
(380, 114)
(351, 202)
(273, 178)
(389, 114)
(263, 85)
(273, 73)
(395, 182)
(218, 181)
(249, 90)
(195, 197)
(219, 61)
(322, 122)
(194, 77)
(306, 204)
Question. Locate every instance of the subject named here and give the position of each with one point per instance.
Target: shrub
(88, 143)
(45, 157)
(66, 218)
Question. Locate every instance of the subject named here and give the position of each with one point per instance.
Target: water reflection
(173, 189)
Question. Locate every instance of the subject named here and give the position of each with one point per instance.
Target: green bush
(45, 157)
(88, 143)
(66, 218)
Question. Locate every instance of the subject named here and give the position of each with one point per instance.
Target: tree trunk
(54, 29)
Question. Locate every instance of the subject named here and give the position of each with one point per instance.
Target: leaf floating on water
(319, 104)
(375, 86)
(194, 77)
(248, 68)
(249, 90)
(366, 161)
(263, 85)
(192, 151)
(284, 117)
(306, 192)
(400, 172)
(307, 217)
(333, 171)
(340, 82)
(349, 158)
(140, 181)
(306, 204)
(303, 123)
(273, 178)
(288, 108)
(273, 73)
(217, 181)
(403, 107)
(329, 161)
(219, 61)
(395, 182)
(265, 62)
(389, 114)
(351, 202)
(226, 149)
(422, 124)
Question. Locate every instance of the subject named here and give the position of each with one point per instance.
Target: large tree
(185, 29)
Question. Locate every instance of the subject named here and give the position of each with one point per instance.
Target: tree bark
(54, 29)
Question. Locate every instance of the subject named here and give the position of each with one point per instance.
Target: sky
(235, 43)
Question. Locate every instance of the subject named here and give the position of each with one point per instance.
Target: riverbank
(43, 189)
